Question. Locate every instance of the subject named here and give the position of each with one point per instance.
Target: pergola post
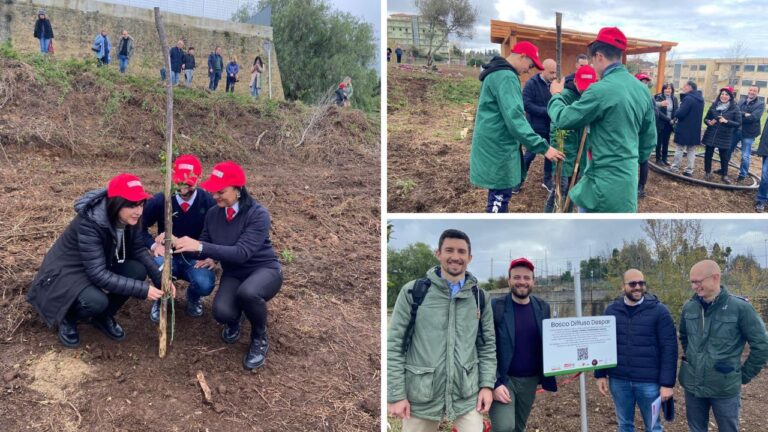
(661, 68)
(509, 42)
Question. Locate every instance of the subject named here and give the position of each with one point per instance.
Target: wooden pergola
(573, 42)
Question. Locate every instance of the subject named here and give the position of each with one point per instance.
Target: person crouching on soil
(236, 233)
(97, 263)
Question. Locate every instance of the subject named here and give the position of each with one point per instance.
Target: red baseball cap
(641, 76)
(612, 36)
(521, 262)
(127, 186)
(529, 50)
(187, 169)
(585, 76)
(224, 174)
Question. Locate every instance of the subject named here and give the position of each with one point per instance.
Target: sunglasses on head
(633, 284)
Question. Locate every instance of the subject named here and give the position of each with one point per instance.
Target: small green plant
(465, 91)
(287, 256)
(116, 98)
(7, 51)
(405, 186)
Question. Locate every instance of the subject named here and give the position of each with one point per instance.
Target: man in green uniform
(621, 124)
(714, 327)
(441, 345)
(496, 159)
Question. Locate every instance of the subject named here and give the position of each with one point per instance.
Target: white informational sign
(578, 344)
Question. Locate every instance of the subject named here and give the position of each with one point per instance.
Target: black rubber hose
(662, 170)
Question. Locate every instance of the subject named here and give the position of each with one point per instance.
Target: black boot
(231, 332)
(154, 314)
(68, 335)
(256, 354)
(109, 327)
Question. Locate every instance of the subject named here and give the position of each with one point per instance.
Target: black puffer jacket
(661, 112)
(536, 96)
(688, 130)
(762, 150)
(43, 29)
(719, 135)
(84, 255)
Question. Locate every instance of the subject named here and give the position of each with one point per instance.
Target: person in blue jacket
(236, 233)
(102, 47)
(232, 70)
(646, 346)
(189, 207)
(177, 61)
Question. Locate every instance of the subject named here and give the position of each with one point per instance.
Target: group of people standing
(619, 121)
(105, 255)
(455, 354)
(182, 62)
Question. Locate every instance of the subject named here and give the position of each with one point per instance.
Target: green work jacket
(622, 134)
(572, 140)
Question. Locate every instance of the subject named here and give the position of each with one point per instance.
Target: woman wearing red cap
(236, 233)
(97, 263)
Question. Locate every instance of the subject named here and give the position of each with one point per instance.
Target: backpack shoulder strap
(498, 311)
(418, 292)
(479, 297)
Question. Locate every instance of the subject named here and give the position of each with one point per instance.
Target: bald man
(646, 344)
(714, 326)
(535, 99)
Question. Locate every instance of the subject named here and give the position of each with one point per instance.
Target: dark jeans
(762, 191)
(498, 200)
(663, 132)
(399, 57)
(231, 84)
(549, 207)
(530, 156)
(725, 157)
(250, 296)
(94, 302)
(643, 175)
(215, 77)
(726, 411)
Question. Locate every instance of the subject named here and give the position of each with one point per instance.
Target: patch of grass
(287, 256)
(405, 186)
(464, 91)
(7, 51)
(116, 98)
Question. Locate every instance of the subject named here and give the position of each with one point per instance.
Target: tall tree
(443, 18)
(317, 47)
(405, 265)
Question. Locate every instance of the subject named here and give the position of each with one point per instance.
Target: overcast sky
(563, 240)
(702, 28)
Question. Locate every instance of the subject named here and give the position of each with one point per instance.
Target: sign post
(267, 45)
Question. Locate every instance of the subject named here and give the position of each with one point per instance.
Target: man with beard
(714, 326)
(646, 345)
(440, 346)
(188, 207)
(517, 320)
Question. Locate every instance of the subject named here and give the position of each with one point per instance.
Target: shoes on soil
(740, 179)
(727, 180)
(257, 353)
(68, 335)
(194, 307)
(760, 207)
(231, 332)
(109, 327)
(154, 313)
(641, 192)
(688, 174)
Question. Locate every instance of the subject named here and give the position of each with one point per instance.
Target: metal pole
(582, 380)
(269, 69)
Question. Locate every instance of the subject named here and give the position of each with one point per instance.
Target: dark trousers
(726, 411)
(549, 206)
(530, 156)
(249, 296)
(94, 302)
(725, 157)
(498, 200)
(663, 132)
(215, 77)
(399, 57)
(230, 84)
(643, 175)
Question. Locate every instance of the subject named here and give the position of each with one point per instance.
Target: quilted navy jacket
(646, 343)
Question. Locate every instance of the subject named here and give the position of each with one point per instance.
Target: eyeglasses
(633, 284)
(698, 282)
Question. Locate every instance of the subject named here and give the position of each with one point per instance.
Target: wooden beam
(660, 70)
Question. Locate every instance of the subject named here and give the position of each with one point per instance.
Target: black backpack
(419, 292)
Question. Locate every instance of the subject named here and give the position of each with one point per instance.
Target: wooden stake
(166, 278)
(576, 168)
(207, 397)
(558, 164)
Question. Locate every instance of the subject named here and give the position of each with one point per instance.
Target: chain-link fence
(214, 9)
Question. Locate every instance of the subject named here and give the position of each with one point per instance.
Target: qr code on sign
(582, 353)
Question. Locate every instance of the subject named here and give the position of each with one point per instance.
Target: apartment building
(713, 74)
